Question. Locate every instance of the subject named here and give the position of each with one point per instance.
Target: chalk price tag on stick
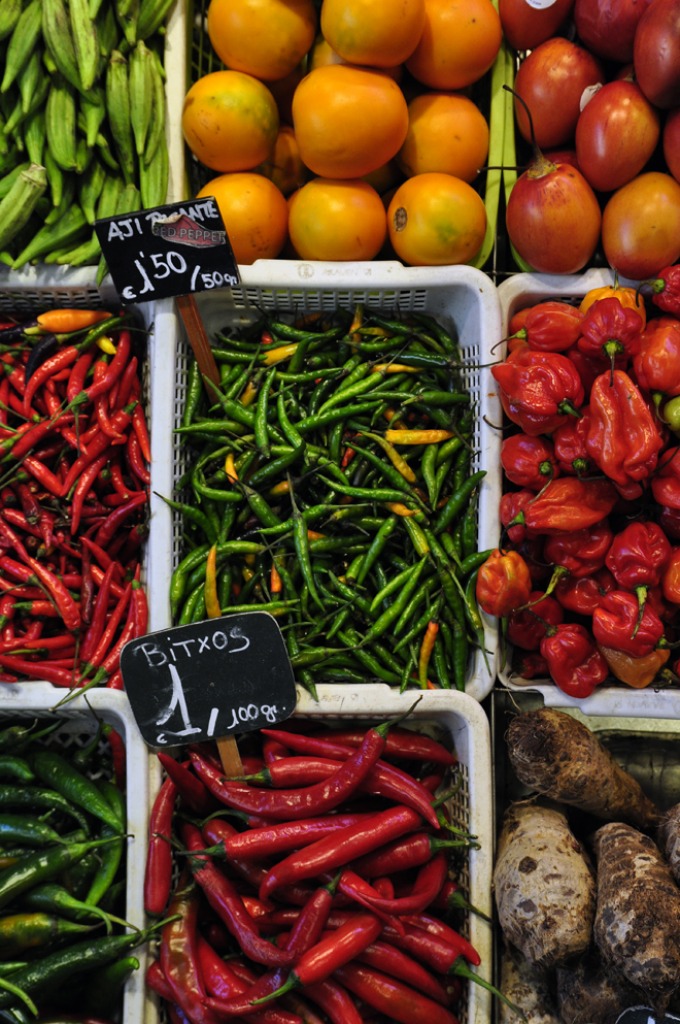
(166, 251)
(209, 680)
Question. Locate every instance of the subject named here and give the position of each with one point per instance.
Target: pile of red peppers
(74, 479)
(316, 887)
(587, 574)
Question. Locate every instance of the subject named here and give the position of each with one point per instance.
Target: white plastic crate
(459, 721)
(515, 293)
(78, 721)
(461, 298)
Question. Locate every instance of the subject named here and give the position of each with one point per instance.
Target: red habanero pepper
(503, 583)
(179, 956)
(158, 873)
(538, 390)
(569, 503)
(657, 364)
(550, 326)
(569, 445)
(670, 581)
(575, 664)
(190, 788)
(618, 623)
(511, 504)
(611, 331)
(623, 438)
(335, 948)
(665, 483)
(307, 802)
(666, 289)
(582, 594)
(638, 555)
(336, 850)
(581, 552)
(391, 997)
(224, 898)
(528, 461)
(530, 665)
(528, 626)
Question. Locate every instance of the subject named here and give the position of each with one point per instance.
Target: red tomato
(551, 81)
(607, 27)
(553, 218)
(671, 142)
(526, 24)
(656, 53)
(641, 226)
(616, 135)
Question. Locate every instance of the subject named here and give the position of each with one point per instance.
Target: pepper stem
(385, 727)
(460, 968)
(289, 984)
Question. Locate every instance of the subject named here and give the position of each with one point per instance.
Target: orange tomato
(255, 214)
(284, 167)
(336, 219)
(459, 43)
(628, 297)
(377, 34)
(447, 132)
(435, 219)
(641, 226)
(264, 38)
(348, 121)
(230, 121)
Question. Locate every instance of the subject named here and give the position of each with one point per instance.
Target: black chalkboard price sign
(209, 680)
(645, 1015)
(166, 251)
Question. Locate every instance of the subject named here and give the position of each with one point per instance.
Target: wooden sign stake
(200, 345)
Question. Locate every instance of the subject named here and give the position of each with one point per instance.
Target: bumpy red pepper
(619, 623)
(582, 552)
(611, 331)
(568, 504)
(665, 483)
(538, 390)
(574, 662)
(623, 439)
(582, 595)
(551, 326)
(512, 504)
(670, 581)
(528, 626)
(528, 461)
(569, 445)
(503, 583)
(666, 289)
(638, 555)
(657, 364)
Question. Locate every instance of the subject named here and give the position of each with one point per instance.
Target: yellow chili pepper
(315, 535)
(249, 394)
(106, 345)
(275, 581)
(394, 368)
(282, 487)
(417, 436)
(401, 510)
(212, 604)
(357, 321)
(230, 468)
(278, 354)
(397, 460)
(425, 652)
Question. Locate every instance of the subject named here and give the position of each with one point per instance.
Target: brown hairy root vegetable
(543, 885)
(587, 992)
(669, 839)
(637, 920)
(559, 757)
(528, 987)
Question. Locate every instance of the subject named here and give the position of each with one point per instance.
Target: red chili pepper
(550, 326)
(638, 555)
(223, 983)
(385, 957)
(538, 390)
(623, 438)
(141, 430)
(179, 956)
(582, 595)
(391, 997)
(335, 1002)
(569, 445)
(527, 626)
(114, 369)
(300, 803)
(126, 388)
(401, 743)
(113, 522)
(308, 928)
(190, 788)
(43, 669)
(269, 840)
(224, 898)
(503, 583)
(575, 664)
(43, 475)
(337, 850)
(158, 874)
(79, 371)
(528, 461)
(99, 444)
(657, 364)
(581, 552)
(665, 483)
(65, 357)
(429, 880)
(611, 331)
(666, 289)
(569, 504)
(135, 459)
(619, 623)
(83, 488)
